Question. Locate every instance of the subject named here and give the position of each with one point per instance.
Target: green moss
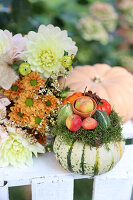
(95, 137)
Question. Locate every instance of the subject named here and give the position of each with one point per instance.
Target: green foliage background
(26, 15)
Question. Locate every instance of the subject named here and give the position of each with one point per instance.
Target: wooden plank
(4, 195)
(112, 189)
(52, 188)
(43, 166)
(1, 180)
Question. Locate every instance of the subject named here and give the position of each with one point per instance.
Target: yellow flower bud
(66, 61)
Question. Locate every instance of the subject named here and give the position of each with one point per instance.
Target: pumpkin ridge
(82, 161)
(120, 149)
(106, 91)
(69, 158)
(111, 166)
(112, 163)
(101, 69)
(96, 165)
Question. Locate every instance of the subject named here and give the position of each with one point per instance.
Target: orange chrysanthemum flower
(32, 81)
(38, 122)
(16, 115)
(51, 102)
(29, 105)
(14, 91)
(27, 102)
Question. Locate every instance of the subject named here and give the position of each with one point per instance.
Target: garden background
(103, 31)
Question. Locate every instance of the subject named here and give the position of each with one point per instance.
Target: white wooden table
(50, 182)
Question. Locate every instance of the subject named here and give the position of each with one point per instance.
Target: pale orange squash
(115, 84)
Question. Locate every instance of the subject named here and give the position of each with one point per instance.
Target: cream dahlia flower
(46, 48)
(16, 150)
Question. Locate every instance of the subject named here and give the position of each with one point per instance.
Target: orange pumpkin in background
(115, 84)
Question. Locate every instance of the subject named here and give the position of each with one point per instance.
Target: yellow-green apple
(89, 123)
(73, 122)
(84, 104)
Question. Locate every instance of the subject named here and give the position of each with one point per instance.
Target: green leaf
(15, 67)
(20, 10)
(67, 89)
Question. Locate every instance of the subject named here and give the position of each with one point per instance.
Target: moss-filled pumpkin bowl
(91, 149)
(83, 159)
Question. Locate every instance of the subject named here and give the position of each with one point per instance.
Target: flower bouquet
(30, 96)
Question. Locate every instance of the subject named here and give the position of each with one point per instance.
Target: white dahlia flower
(3, 103)
(11, 48)
(16, 150)
(3, 133)
(46, 48)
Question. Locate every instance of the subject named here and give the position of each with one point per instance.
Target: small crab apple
(89, 123)
(73, 122)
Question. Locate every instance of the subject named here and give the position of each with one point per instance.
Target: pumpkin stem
(97, 79)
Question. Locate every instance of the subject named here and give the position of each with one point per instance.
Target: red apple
(84, 104)
(73, 122)
(89, 123)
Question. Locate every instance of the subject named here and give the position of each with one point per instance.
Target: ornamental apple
(84, 104)
(73, 122)
(89, 123)
(24, 68)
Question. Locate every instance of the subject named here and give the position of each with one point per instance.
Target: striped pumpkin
(83, 159)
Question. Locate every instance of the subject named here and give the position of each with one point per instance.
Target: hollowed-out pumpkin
(115, 84)
(82, 159)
